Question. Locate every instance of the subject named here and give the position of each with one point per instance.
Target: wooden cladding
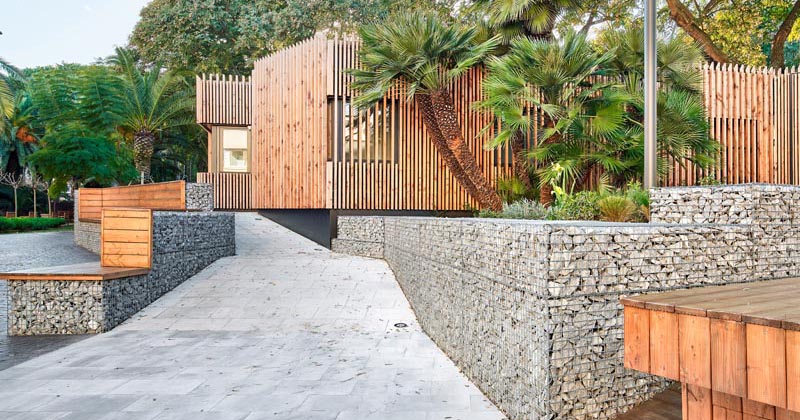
(232, 191)
(126, 237)
(158, 196)
(382, 157)
(289, 136)
(223, 100)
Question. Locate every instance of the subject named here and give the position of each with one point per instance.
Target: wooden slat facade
(312, 149)
(223, 100)
(232, 191)
(158, 196)
(126, 237)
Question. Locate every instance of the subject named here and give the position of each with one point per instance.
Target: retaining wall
(530, 311)
(183, 244)
(199, 197)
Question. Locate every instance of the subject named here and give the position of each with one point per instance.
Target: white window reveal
(235, 155)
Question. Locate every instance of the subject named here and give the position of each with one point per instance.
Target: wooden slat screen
(224, 100)
(289, 134)
(158, 196)
(232, 191)
(126, 237)
(382, 157)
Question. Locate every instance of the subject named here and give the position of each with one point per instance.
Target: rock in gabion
(183, 244)
(361, 236)
(199, 196)
(530, 311)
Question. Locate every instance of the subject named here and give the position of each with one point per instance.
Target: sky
(45, 32)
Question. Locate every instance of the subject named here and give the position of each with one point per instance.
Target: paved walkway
(19, 251)
(284, 330)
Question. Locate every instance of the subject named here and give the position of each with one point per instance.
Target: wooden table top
(91, 271)
(773, 303)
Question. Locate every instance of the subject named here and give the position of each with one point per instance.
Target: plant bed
(29, 224)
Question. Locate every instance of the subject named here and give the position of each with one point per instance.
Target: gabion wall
(183, 244)
(199, 197)
(530, 309)
(359, 236)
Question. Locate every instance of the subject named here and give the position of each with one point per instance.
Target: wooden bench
(735, 349)
(126, 250)
(159, 196)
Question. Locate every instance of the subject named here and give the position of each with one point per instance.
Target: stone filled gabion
(183, 244)
(359, 236)
(530, 311)
(199, 196)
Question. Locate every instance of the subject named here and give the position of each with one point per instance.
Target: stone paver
(284, 330)
(27, 250)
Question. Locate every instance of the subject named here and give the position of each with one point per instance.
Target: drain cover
(401, 325)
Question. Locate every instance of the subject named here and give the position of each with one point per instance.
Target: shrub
(520, 209)
(578, 206)
(25, 224)
(616, 208)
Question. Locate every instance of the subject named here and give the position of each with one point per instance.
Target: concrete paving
(19, 251)
(284, 330)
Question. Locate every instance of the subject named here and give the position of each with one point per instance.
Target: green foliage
(153, 100)
(24, 224)
(638, 195)
(74, 154)
(521, 209)
(512, 189)
(592, 100)
(418, 49)
(511, 20)
(616, 208)
(212, 36)
(709, 180)
(579, 206)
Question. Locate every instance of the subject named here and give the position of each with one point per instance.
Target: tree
(552, 76)
(213, 36)
(426, 55)
(593, 13)
(74, 156)
(77, 110)
(592, 100)
(10, 81)
(533, 19)
(19, 138)
(15, 181)
(716, 25)
(152, 102)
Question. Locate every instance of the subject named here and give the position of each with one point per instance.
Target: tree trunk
(143, 142)
(776, 57)
(34, 201)
(519, 160)
(686, 20)
(16, 209)
(429, 119)
(445, 114)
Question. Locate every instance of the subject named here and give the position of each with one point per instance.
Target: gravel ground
(27, 250)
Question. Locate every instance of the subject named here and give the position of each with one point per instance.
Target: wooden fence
(223, 100)
(232, 191)
(159, 196)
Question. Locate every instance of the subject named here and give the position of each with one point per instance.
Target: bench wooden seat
(91, 271)
(735, 348)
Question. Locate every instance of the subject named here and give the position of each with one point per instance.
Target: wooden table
(735, 348)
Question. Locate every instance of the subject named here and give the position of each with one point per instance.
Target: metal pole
(650, 95)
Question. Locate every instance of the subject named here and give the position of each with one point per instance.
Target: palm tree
(683, 131)
(534, 19)
(426, 55)
(18, 139)
(553, 76)
(152, 102)
(10, 80)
